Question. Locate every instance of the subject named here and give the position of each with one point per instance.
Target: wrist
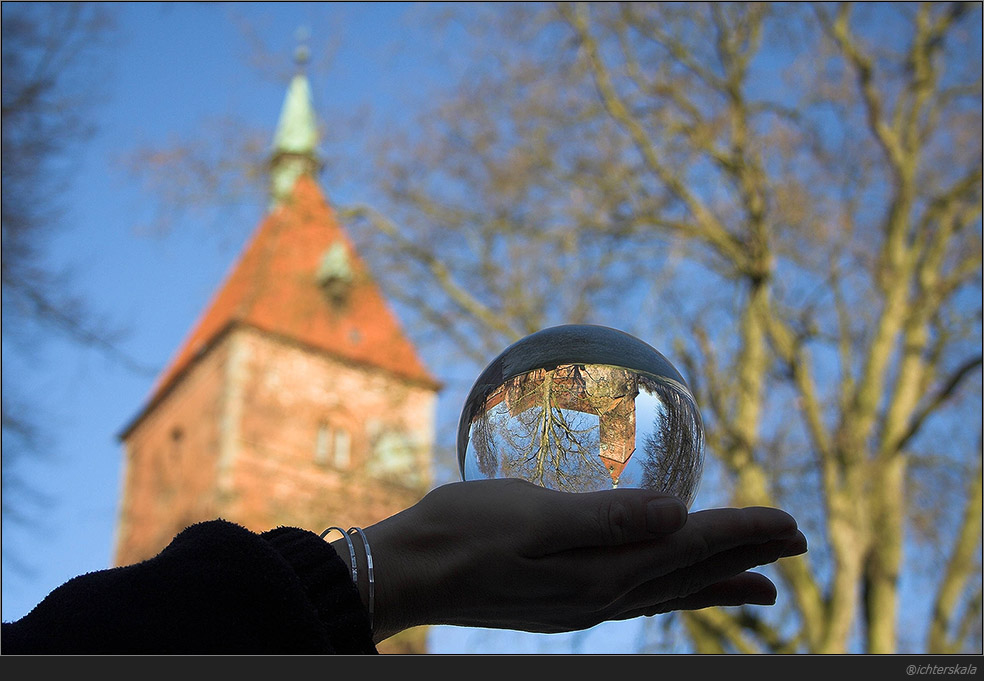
(359, 555)
(359, 565)
(407, 579)
(345, 548)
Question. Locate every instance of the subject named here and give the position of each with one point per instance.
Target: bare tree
(48, 93)
(539, 426)
(672, 458)
(789, 197)
(45, 113)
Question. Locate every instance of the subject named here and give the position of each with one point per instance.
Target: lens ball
(580, 408)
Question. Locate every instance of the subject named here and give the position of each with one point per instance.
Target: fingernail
(665, 515)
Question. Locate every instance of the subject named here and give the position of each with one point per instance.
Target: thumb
(665, 515)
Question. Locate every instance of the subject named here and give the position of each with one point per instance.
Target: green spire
(295, 142)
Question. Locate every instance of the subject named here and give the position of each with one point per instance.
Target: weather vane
(302, 53)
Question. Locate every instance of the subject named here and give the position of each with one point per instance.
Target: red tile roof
(273, 287)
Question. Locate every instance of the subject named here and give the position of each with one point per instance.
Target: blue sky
(169, 68)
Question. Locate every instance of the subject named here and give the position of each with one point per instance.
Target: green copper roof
(295, 142)
(297, 131)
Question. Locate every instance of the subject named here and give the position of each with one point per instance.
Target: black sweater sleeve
(216, 589)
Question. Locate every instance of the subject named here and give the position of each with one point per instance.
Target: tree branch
(839, 30)
(706, 226)
(458, 294)
(958, 568)
(947, 388)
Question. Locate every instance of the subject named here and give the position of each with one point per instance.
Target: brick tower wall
(264, 432)
(170, 463)
(318, 441)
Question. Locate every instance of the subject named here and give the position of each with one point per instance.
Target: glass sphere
(580, 408)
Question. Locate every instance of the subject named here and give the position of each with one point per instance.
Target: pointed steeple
(295, 143)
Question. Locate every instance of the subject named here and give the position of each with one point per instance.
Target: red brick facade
(264, 432)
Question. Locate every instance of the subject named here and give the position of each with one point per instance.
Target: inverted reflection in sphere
(580, 408)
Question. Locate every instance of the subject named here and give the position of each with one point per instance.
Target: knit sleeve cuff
(328, 583)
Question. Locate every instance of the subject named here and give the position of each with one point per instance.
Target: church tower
(296, 399)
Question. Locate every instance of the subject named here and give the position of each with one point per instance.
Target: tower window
(177, 436)
(342, 449)
(322, 445)
(332, 446)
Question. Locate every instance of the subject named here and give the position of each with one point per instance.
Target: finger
(720, 567)
(633, 577)
(711, 532)
(747, 588)
(796, 546)
(609, 518)
(690, 550)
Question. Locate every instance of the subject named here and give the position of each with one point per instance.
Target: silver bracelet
(351, 547)
(372, 583)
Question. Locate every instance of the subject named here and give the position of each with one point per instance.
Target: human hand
(509, 554)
